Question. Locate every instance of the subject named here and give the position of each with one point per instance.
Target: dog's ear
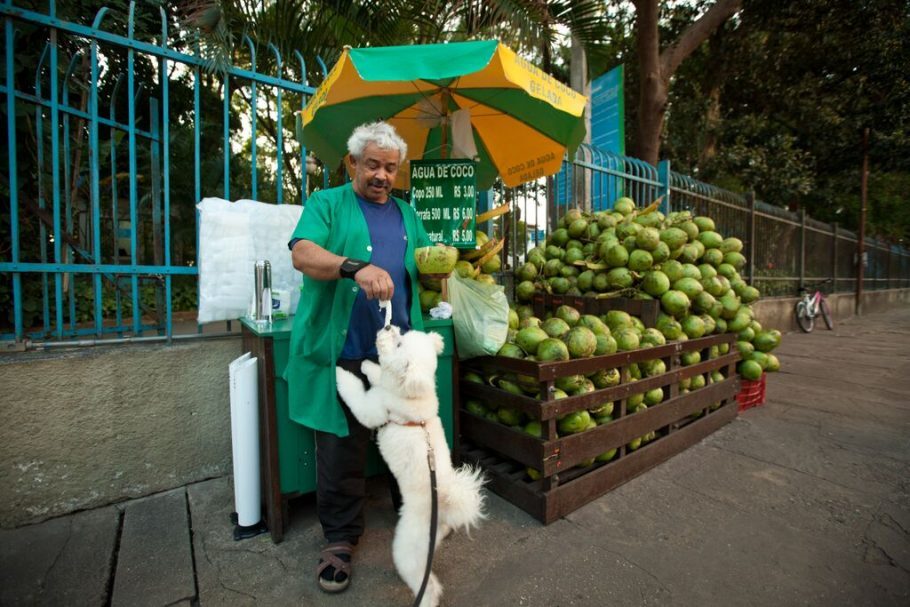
(438, 343)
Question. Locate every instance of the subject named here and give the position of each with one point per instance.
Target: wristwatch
(349, 267)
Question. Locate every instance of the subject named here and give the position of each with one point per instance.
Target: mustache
(379, 183)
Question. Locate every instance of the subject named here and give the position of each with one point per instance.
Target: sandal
(329, 557)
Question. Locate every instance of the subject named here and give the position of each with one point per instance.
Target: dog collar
(431, 455)
(411, 424)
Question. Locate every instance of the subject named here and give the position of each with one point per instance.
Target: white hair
(381, 134)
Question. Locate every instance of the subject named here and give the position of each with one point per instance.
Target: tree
(35, 180)
(794, 107)
(537, 28)
(656, 66)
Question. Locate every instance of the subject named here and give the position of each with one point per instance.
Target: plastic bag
(480, 316)
(232, 237)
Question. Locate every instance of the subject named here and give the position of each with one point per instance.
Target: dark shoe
(333, 574)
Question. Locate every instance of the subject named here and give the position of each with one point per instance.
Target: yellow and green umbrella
(461, 100)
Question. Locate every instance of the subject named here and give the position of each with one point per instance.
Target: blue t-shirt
(389, 242)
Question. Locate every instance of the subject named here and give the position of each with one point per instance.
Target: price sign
(443, 192)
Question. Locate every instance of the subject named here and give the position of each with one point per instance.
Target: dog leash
(434, 503)
(387, 305)
(434, 515)
(431, 464)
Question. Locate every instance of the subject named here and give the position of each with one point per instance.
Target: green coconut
(661, 252)
(624, 205)
(655, 283)
(675, 302)
(552, 349)
(640, 260)
(581, 342)
(647, 239)
(710, 239)
(674, 238)
(705, 224)
(436, 259)
(617, 319)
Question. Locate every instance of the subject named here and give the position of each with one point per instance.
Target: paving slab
(155, 560)
(802, 501)
(63, 561)
(256, 571)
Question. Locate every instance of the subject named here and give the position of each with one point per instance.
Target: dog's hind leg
(462, 506)
(409, 551)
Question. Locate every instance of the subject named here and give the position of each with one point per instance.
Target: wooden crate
(505, 452)
(646, 309)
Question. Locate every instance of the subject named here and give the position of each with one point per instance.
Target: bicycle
(810, 306)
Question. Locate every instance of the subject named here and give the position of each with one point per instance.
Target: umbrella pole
(443, 152)
(444, 101)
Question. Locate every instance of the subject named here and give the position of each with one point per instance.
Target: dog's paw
(340, 375)
(433, 594)
(348, 384)
(372, 370)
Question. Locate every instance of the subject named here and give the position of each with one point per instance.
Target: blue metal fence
(94, 253)
(784, 249)
(64, 113)
(595, 178)
(592, 180)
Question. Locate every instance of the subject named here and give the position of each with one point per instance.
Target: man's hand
(375, 282)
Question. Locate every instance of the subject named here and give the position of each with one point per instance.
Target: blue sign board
(608, 112)
(608, 135)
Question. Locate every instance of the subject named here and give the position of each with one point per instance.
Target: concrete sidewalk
(803, 501)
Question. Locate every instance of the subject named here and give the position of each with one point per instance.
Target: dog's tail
(465, 502)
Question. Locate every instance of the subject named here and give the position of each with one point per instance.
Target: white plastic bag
(232, 237)
(480, 316)
(225, 252)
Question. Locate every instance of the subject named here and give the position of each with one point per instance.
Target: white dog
(402, 405)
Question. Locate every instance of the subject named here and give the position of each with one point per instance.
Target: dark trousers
(341, 474)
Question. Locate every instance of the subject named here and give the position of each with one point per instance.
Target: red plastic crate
(752, 393)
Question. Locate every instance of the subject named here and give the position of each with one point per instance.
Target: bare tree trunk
(713, 80)
(712, 123)
(652, 97)
(545, 51)
(656, 67)
(578, 79)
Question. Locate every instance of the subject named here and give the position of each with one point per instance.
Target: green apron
(333, 220)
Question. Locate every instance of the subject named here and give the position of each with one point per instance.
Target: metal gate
(115, 130)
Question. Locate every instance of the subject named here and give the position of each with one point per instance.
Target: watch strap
(350, 267)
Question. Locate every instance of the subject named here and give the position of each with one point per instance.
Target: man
(355, 246)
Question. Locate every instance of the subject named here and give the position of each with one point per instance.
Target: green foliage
(31, 178)
(775, 101)
(769, 162)
(791, 86)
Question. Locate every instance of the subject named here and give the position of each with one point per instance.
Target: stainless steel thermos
(262, 277)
